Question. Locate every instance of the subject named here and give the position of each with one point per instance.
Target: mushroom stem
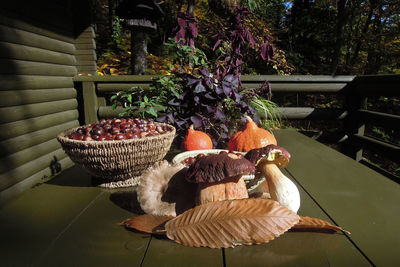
(281, 188)
(228, 189)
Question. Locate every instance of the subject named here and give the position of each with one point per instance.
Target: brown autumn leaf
(224, 224)
(310, 224)
(151, 224)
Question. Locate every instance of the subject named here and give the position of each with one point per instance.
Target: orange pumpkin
(251, 137)
(195, 140)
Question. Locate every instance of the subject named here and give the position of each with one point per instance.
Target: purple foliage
(210, 98)
(186, 30)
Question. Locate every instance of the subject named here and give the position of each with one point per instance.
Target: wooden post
(90, 102)
(354, 101)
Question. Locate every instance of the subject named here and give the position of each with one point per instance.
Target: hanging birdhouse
(140, 15)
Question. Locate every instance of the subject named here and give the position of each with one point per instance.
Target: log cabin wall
(43, 45)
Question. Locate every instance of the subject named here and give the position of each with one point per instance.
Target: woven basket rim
(62, 137)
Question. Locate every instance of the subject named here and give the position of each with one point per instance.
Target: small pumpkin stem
(248, 119)
(191, 127)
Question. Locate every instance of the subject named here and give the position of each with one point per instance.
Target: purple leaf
(182, 96)
(171, 117)
(263, 51)
(209, 96)
(219, 114)
(191, 81)
(223, 126)
(173, 102)
(199, 88)
(193, 29)
(238, 97)
(217, 44)
(227, 89)
(238, 62)
(197, 121)
(211, 109)
(219, 90)
(204, 72)
(196, 99)
(229, 78)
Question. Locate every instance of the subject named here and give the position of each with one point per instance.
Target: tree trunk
(341, 19)
(364, 32)
(138, 52)
(190, 7)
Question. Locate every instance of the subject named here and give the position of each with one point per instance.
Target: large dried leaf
(223, 224)
(147, 223)
(309, 224)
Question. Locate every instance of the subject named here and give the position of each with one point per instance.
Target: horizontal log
(17, 128)
(13, 145)
(305, 113)
(16, 113)
(379, 119)
(86, 69)
(23, 52)
(89, 63)
(13, 66)
(23, 97)
(24, 171)
(85, 52)
(87, 33)
(85, 57)
(244, 78)
(116, 78)
(106, 112)
(116, 87)
(12, 35)
(21, 157)
(8, 20)
(298, 78)
(276, 87)
(39, 177)
(387, 150)
(302, 113)
(85, 40)
(23, 82)
(302, 87)
(85, 46)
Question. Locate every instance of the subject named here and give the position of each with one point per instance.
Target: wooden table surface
(69, 222)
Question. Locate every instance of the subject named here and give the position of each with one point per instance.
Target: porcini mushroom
(219, 177)
(269, 160)
(163, 190)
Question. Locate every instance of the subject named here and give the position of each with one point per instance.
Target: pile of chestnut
(191, 160)
(118, 129)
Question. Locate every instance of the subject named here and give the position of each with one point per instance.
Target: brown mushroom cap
(269, 154)
(217, 167)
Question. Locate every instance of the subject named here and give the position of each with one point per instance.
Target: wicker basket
(115, 161)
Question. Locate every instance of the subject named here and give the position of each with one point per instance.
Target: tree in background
(310, 37)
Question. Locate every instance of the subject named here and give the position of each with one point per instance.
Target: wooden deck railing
(95, 90)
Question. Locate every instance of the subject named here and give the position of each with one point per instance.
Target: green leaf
(114, 106)
(152, 111)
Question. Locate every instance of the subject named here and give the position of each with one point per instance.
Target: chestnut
(120, 136)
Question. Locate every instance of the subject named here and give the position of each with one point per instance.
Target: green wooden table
(69, 222)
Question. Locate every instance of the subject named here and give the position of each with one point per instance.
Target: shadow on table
(75, 177)
(127, 199)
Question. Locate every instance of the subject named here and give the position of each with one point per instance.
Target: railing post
(90, 102)
(354, 101)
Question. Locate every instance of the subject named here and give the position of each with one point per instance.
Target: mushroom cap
(163, 190)
(270, 154)
(217, 167)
